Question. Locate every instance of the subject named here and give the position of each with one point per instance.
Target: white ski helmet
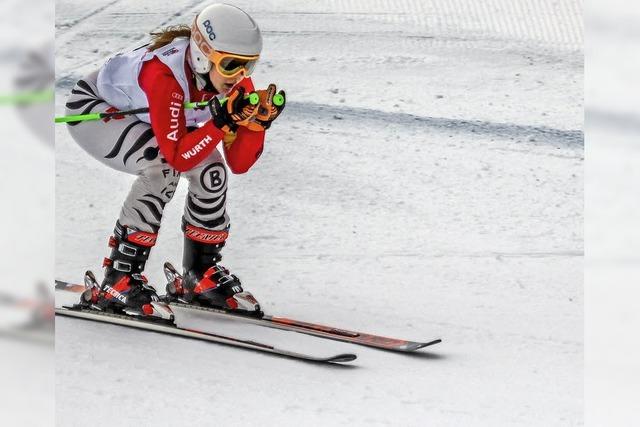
(223, 28)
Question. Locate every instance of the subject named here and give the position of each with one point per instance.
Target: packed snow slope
(425, 181)
(612, 267)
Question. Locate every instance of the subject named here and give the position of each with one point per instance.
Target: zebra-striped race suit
(129, 145)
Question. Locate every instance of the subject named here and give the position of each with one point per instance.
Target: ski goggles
(230, 64)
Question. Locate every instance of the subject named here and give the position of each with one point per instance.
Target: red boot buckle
(177, 283)
(232, 303)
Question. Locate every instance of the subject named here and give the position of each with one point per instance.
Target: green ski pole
(27, 98)
(253, 98)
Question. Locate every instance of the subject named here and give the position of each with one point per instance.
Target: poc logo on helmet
(209, 29)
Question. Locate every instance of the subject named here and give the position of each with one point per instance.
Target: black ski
(164, 327)
(285, 323)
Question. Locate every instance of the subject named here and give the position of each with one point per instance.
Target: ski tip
(170, 272)
(342, 358)
(413, 346)
(69, 287)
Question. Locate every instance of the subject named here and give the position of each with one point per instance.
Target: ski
(309, 328)
(286, 323)
(165, 327)
(315, 329)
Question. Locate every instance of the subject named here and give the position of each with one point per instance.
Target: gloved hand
(267, 110)
(236, 111)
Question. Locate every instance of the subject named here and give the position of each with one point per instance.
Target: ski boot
(205, 282)
(124, 288)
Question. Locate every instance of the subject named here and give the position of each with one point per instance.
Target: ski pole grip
(278, 100)
(253, 97)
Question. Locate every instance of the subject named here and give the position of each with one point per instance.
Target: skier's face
(222, 83)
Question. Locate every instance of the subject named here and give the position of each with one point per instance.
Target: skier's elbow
(239, 169)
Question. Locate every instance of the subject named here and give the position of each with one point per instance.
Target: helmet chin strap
(202, 80)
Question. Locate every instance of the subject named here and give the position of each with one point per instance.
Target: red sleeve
(182, 149)
(248, 145)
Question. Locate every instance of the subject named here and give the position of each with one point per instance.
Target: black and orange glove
(236, 111)
(270, 107)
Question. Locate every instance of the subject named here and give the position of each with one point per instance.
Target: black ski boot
(124, 288)
(205, 282)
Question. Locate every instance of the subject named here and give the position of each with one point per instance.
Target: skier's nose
(235, 79)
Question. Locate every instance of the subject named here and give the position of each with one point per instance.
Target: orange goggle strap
(215, 56)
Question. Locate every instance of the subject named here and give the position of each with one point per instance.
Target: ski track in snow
(484, 128)
(61, 27)
(424, 181)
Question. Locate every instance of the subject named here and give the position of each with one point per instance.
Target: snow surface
(425, 181)
(612, 266)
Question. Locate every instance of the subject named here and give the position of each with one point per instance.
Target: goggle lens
(230, 66)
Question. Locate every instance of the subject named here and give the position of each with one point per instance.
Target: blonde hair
(167, 35)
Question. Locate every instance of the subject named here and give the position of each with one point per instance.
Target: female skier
(208, 61)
